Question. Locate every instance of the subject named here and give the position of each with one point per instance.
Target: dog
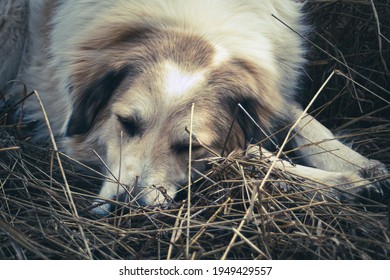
(140, 86)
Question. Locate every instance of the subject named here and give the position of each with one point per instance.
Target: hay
(40, 219)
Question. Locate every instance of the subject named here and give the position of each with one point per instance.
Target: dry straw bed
(45, 199)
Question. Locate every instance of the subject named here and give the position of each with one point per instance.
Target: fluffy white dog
(120, 76)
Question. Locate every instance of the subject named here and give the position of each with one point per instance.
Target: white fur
(178, 82)
(221, 55)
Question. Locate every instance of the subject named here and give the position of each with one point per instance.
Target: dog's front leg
(339, 185)
(320, 148)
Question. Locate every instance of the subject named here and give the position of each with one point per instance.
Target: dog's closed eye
(131, 126)
(182, 148)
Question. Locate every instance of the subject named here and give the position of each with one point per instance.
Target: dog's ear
(247, 117)
(93, 98)
(244, 122)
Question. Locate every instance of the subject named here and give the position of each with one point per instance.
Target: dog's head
(132, 99)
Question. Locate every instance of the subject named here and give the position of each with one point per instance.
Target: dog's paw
(379, 177)
(343, 187)
(371, 183)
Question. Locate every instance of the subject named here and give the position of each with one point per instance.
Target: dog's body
(119, 77)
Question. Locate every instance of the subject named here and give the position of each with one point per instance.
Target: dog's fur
(119, 77)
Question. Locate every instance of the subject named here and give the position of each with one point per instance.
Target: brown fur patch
(139, 46)
(238, 80)
(152, 44)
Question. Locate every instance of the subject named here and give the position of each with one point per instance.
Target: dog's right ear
(92, 99)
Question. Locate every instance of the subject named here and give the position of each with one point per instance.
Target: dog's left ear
(248, 119)
(244, 123)
(88, 103)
